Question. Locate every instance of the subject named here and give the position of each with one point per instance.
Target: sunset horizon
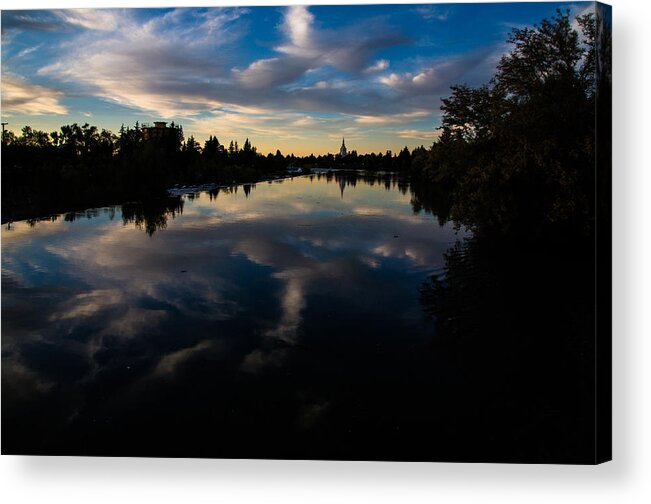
(294, 78)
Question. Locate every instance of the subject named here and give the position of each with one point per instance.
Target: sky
(294, 78)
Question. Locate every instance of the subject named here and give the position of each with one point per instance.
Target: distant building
(158, 131)
(342, 150)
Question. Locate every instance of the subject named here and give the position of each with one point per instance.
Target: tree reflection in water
(152, 215)
(517, 319)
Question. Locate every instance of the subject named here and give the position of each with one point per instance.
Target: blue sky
(294, 78)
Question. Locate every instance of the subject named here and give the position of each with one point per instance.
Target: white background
(627, 479)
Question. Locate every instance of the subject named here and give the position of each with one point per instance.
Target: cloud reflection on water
(231, 273)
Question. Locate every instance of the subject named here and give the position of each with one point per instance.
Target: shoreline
(178, 190)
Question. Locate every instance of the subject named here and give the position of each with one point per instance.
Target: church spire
(343, 151)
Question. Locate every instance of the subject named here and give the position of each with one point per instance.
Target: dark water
(283, 320)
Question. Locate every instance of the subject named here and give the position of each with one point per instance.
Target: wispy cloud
(57, 20)
(19, 96)
(413, 134)
(27, 51)
(90, 19)
(160, 65)
(392, 118)
(432, 12)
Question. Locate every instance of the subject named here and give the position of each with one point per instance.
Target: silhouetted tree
(519, 152)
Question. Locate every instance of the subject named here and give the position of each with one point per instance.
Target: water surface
(276, 320)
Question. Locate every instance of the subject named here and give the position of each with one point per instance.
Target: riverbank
(26, 206)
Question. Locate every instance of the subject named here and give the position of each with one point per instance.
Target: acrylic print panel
(371, 232)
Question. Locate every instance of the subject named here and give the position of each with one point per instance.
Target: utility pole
(3, 131)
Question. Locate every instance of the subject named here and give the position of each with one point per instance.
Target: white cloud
(378, 66)
(428, 78)
(392, 80)
(297, 25)
(90, 19)
(21, 97)
(435, 79)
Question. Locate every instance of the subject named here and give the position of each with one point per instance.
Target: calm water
(288, 320)
(278, 320)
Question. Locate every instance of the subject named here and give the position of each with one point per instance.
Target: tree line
(82, 166)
